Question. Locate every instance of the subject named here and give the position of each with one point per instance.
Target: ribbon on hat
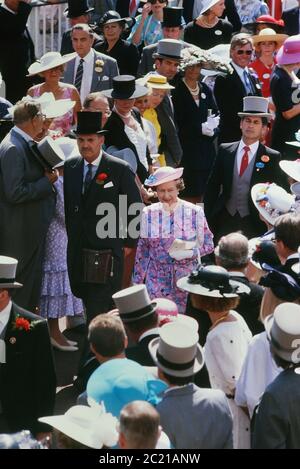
(2, 351)
(198, 277)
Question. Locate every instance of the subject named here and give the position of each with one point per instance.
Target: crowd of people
(149, 194)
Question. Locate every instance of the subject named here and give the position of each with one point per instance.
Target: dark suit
(140, 352)
(82, 220)
(125, 53)
(229, 92)
(122, 7)
(291, 21)
(219, 186)
(170, 144)
(27, 203)
(66, 43)
(28, 381)
(16, 51)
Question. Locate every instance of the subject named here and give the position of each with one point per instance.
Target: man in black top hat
(99, 191)
(78, 12)
(172, 27)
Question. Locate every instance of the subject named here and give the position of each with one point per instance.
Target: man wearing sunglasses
(230, 90)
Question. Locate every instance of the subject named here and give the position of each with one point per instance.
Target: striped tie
(79, 75)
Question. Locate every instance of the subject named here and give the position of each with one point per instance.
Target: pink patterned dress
(60, 126)
(153, 264)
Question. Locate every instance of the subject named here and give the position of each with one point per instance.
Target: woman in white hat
(174, 234)
(209, 29)
(266, 43)
(227, 341)
(51, 68)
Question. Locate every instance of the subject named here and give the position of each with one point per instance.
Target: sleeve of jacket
(144, 66)
(232, 15)
(213, 187)
(220, 93)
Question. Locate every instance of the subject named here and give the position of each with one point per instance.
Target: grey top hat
(283, 331)
(134, 303)
(255, 106)
(8, 268)
(168, 49)
(176, 351)
(48, 152)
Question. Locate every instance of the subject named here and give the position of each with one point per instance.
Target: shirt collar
(239, 70)
(253, 147)
(293, 256)
(23, 134)
(96, 162)
(4, 316)
(236, 274)
(153, 331)
(88, 58)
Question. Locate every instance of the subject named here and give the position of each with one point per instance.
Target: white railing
(46, 24)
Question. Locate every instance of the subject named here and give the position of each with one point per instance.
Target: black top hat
(172, 17)
(89, 123)
(77, 8)
(265, 253)
(112, 16)
(124, 87)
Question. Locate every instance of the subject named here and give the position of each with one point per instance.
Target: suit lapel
(255, 174)
(239, 83)
(230, 162)
(11, 333)
(70, 72)
(104, 167)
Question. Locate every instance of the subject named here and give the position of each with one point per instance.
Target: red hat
(268, 19)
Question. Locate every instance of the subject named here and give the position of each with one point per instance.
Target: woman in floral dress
(174, 235)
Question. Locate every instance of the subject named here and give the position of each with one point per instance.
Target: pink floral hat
(162, 175)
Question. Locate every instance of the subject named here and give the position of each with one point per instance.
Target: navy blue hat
(265, 253)
(284, 286)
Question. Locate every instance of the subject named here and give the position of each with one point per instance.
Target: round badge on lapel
(258, 86)
(218, 32)
(266, 76)
(203, 95)
(12, 340)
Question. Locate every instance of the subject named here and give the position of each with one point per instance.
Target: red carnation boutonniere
(23, 324)
(101, 178)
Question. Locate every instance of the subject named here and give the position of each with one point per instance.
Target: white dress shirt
(251, 154)
(3, 5)
(95, 164)
(88, 73)
(4, 316)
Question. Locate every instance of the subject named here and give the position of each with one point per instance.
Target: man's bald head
(232, 251)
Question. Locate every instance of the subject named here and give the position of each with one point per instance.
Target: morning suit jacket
(229, 92)
(27, 204)
(84, 213)
(170, 144)
(219, 185)
(146, 64)
(28, 381)
(140, 352)
(291, 21)
(101, 80)
(196, 418)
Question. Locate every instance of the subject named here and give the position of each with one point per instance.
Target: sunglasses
(242, 52)
(156, 1)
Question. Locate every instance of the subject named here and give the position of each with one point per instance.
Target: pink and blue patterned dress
(153, 264)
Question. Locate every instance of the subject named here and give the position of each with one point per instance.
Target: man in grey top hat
(185, 407)
(239, 166)
(27, 201)
(277, 423)
(27, 375)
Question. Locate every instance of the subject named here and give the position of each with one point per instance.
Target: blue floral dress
(153, 264)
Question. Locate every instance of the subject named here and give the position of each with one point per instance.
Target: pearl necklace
(193, 91)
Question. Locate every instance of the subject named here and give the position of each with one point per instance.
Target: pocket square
(109, 184)
(104, 78)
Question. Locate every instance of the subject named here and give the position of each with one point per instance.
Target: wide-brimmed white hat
(68, 146)
(268, 34)
(222, 51)
(291, 168)
(283, 331)
(87, 425)
(50, 107)
(8, 269)
(207, 4)
(162, 175)
(176, 351)
(212, 281)
(271, 201)
(48, 61)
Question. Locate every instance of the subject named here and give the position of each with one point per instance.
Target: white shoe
(63, 348)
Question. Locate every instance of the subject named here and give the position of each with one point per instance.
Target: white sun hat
(291, 168)
(48, 61)
(272, 201)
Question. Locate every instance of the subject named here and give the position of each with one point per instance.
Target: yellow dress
(151, 115)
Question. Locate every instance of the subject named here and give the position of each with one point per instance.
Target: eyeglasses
(40, 114)
(242, 52)
(156, 1)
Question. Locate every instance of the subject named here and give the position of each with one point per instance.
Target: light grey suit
(27, 202)
(195, 418)
(101, 81)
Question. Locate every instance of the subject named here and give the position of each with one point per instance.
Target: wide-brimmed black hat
(112, 16)
(89, 123)
(77, 8)
(172, 17)
(125, 87)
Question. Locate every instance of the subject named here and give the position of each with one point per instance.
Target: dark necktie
(79, 75)
(245, 161)
(248, 83)
(88, 178)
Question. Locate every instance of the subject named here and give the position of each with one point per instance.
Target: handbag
(97, 266)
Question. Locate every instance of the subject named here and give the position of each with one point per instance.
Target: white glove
(213, 121)
(206, 130)
(183, 254)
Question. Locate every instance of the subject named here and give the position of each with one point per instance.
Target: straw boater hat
(162, 175)
(8, 269)
(134, 303)
(255, 106)
(291, 168)
(177, 351)
(48, 61)
(212, 281)
(268, 34)
(289, 52)
(155, 81)
(283, 331)
(125, 87)
(271, 201)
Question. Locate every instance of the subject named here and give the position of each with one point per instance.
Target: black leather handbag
(97, 266)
